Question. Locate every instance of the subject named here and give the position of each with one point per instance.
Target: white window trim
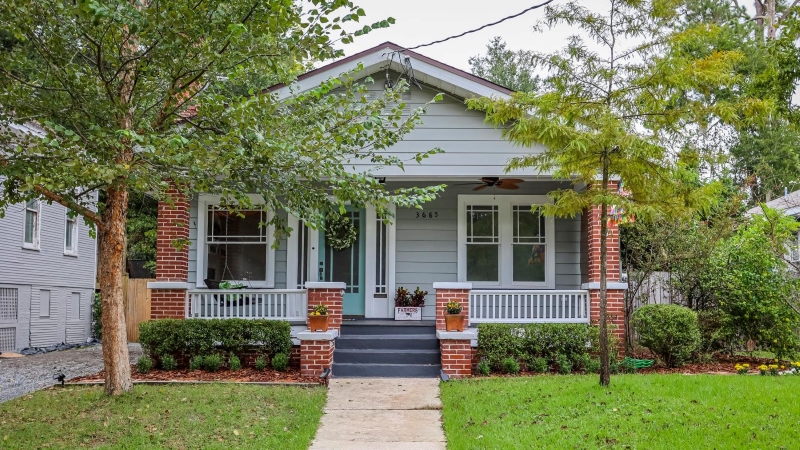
(35, 245)
(505, 204)
(74, 250)
(379, 307)
(203, 203)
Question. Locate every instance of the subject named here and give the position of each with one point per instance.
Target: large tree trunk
(111, 262)
(605, 365)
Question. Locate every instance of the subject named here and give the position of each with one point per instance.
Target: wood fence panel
(137, 305)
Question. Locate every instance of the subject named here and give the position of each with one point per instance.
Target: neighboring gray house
(47, 276)
(789, 204)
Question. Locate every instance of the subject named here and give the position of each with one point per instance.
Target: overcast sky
(422, 21)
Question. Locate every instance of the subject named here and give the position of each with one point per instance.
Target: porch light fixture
(381, 180)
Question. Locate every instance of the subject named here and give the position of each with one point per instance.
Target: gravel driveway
(18, 376)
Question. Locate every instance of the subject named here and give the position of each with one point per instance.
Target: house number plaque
(427, 215)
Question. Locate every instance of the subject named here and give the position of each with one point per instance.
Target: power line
(484, 26)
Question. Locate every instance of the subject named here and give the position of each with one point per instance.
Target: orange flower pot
(318, 323)
(454, 322)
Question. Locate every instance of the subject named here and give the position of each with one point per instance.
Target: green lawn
(638, 412)
(213, 416)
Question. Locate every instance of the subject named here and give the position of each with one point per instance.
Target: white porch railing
(270, 304)
(525, 306)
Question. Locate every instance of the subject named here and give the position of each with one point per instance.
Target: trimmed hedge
(200, 337)
(536, 344)
(670, 331)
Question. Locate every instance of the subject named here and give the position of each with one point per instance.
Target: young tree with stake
(619, 101)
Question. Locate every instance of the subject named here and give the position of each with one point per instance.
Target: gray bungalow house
(478, 238)
(47, 275)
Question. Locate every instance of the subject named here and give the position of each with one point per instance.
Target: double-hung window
(238, 246)
(32, 217)
(71, 235)
(505, 242)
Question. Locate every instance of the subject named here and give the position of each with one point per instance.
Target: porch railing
(270, 304)
(526, 306)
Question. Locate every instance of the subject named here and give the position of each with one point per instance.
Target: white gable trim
(376, 60)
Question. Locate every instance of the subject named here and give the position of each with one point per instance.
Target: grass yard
(638, 412)
(212, 416)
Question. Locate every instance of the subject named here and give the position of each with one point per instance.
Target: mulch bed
(241, 375)
(721, 365)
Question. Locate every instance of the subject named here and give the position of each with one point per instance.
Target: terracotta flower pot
(318, 323)
(454, 322)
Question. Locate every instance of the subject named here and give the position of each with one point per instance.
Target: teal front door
(346, 265)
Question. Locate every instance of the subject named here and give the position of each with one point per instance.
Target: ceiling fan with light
(497, 182)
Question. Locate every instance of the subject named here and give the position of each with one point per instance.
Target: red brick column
(615, 290)
(446, 292)
(329, 294)
(316, 351)
(456, 355)
(168, 293)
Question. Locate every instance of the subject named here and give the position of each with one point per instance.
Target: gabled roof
(789, 204)
(426, 70)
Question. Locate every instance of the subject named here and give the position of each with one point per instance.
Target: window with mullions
(529, 245)
(237, 244)
(483, 242)
(31, 235)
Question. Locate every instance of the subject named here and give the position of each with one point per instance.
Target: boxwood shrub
(200, 337)
(535, 344)
(670, 331)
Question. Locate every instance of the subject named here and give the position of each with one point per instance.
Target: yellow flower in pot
(454, 320)
(318, 318)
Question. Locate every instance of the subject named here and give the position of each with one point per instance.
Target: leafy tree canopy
(508, 68)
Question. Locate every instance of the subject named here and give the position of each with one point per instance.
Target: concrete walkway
(381, 413)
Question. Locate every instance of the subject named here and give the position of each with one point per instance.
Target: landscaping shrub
(234, 362)
(564, 364)
(496, 342)
(168, 362)
(212, 362)
(669, 331)
(510, 366)
(144, 364)
(97, 315)
(592, 365)
(261, 363)
(538, 365)
(280, 362)
(483, 368)
(193, 337)
(196, 363)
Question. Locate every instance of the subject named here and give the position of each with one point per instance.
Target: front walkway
(382, 413)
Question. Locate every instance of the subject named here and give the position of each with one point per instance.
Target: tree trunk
(771, 23)
(605, 365)
(111, 262)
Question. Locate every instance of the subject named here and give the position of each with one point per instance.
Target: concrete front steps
(385, 348)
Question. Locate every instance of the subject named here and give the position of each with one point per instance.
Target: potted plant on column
(408, 306)
(318, 318)
(453, 319)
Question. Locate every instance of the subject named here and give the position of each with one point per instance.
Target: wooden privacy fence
(137, 305)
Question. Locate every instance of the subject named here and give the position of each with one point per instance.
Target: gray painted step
(388, 341)
(342, 370)
(383, 356)
(377, 330)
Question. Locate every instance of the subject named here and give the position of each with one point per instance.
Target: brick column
(615, 290)
(316, 351)
(456, 350)
(445, 292)
(168, 293)
(329, 294)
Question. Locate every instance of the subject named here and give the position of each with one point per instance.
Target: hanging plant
(340, 233)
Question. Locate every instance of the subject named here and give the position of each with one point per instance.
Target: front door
(346, 266)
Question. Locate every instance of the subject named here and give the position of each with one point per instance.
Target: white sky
(423, 21)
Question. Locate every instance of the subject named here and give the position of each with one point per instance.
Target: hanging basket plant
(340, 233)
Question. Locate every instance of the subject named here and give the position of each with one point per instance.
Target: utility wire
(484, 26)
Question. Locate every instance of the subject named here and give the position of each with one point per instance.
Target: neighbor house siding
(47, 269)
(427, 249)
